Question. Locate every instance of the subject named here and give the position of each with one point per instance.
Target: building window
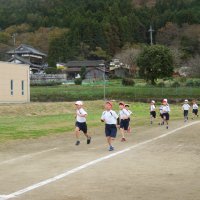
(12, 87)
(22, 87)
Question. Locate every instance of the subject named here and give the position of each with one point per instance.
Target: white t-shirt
(186, 106)
(130, 112)
(166, 108)
(161, 109)
(109, 116)
(195, 106)
(81, 111)
(124, 114)
(152, 108)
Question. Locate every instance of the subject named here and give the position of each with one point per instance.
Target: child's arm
(102, 117)
(82, 113)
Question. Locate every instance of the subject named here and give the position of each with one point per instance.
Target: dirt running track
(153, 168)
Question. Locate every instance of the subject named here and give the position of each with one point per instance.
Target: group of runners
(165, 110)
(121, 120)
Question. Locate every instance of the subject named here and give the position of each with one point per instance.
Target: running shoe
(111, 148)
(88, 140)
(123, 139)
(77, 142)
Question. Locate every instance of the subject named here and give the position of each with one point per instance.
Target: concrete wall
(17, 73)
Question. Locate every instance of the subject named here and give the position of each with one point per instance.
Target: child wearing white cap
(152, 111)
(81, 122)
(194, 109)
(165, 112)
(186, 108)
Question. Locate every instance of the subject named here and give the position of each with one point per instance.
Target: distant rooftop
(26, 49)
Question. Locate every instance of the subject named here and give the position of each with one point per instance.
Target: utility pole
(151, 34)
(14, 43)
(104, 80)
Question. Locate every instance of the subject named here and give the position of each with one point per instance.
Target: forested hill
(68, 29)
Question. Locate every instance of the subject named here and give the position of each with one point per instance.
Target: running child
(110, 118)
(194, 109)
(166, 111)
(129, 119)
(186, 108)
(81, 124)
(124, 121)
(152, 111)
(161, 115)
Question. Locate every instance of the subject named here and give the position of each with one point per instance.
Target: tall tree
(155, 62)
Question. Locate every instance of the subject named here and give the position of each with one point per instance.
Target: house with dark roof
(95, 69)
(26, 54)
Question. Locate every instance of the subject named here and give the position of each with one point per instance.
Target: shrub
(161, 84)
(197, 83)
(128, 82)
(183, 79)
(176, 84)
(78, 81)
(189, 83)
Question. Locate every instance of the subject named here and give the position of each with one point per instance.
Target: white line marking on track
(26, 156)
(72, 171)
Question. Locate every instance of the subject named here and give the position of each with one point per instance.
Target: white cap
(165, 100)
(186, 100)
(153, 101)
(80, 103)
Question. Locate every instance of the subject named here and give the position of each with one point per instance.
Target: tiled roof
(26, 49)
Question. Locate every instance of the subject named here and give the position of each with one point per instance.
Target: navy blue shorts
(195, 111)
(111, 130)
(166, 116)
(153, 114)
(82, 126)
(185, 113)
(124, 123)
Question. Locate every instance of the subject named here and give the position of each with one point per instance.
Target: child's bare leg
(151, 119)
(87, 135)
(129, 129)
(167, 124)
(122, 132)
(77, 134)
(109, 140)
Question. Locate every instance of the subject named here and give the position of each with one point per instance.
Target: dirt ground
(167, 168)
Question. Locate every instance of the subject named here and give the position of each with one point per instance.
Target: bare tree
(128, 57)
(194, 66)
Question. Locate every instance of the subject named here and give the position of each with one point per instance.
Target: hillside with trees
(98, 29)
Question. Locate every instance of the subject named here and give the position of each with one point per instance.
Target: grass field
(114, 90)
(21, 121)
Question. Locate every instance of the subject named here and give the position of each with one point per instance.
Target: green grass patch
(19, 121)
